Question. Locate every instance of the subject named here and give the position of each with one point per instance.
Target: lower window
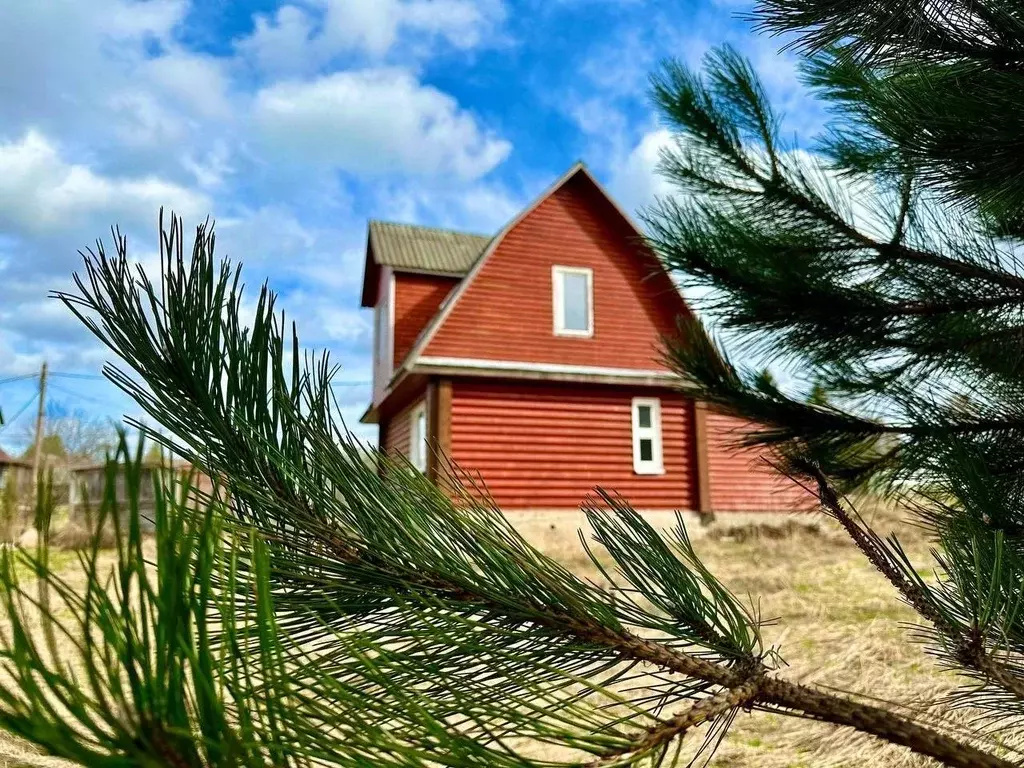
(419, 440)
(647, 456)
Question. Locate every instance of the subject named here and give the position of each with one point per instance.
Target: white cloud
(169, 105)
(463, 24)
(40, 191)
(325, 321)
(635, 181)
(621, 66)
(57, 56)
(299, 252)
(480, 208)
(280, 44)
(301, 38)
(598, 118)
(131, 18)
(376, 121)
(15, 361)
(209, 168)
(195, 83)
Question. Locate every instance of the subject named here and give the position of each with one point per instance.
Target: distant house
(532, 359)
(15, 475)
(88, 481)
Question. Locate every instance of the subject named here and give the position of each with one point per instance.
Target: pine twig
(969, 650)
(696, 714)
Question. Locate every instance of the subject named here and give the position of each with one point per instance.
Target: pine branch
(889, 250)
(892, 277)
(903, 214)
(967, 648)
(946, 79)
(881, 33)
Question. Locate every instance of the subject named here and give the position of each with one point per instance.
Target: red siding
(396, 433)
(546, 446)
(740, 479)
(417, 300)
(506, 312)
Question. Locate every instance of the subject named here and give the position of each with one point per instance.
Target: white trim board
(391, 325)
(513, 365)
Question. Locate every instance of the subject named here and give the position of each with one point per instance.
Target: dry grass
(838, 625)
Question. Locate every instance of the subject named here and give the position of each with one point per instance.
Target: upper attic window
(573, 291)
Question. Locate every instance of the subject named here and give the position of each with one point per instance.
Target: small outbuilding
(15, 476)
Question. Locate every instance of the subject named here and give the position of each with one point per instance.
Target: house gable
(504, 309)
(418, 298)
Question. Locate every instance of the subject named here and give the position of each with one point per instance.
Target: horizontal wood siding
(546, 446)
(396, 433)
(417, 300)
(505, 313)
(740, 479)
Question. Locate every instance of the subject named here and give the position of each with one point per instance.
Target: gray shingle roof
(404, 246)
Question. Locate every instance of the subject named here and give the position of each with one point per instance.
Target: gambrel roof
(578, 170)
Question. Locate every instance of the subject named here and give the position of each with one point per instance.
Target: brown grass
(839, 625)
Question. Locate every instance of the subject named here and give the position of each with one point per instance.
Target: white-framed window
(647, 456)
(419, 440)
(573, 292)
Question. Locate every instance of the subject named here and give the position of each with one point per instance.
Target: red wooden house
(533, 359)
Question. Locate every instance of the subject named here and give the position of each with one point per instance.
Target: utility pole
(38, 455)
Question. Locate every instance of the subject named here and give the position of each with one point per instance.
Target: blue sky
(293, 123)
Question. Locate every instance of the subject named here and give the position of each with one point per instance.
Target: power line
(91, 376)
(99, 400)
(20, 411)
(351, 383)
(22, 377)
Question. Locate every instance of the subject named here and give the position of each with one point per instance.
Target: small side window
(419, 440)
(647, 456)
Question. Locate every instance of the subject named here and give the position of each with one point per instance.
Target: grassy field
(839, 625)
